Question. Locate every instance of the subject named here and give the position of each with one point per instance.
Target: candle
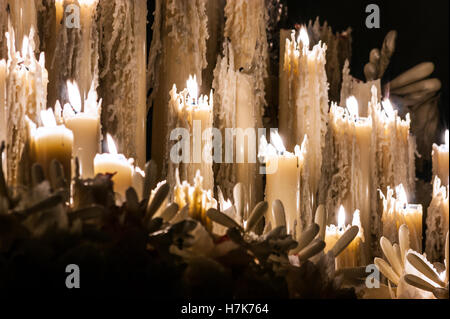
(284, 181)
(348, 179)
(85, 127)
(440, 160)
(53, 142)
(437, 222)
(395, 147)
(26, 91)
(303, 104)
(396, 212)
(122, 75)
(353, 255)
(198, 199)
(23, 17)
(177, 50)
(117, 164)
(194, 114)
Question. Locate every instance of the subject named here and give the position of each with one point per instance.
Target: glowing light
(226, 205)
(48, 118)
(74, 96)
(303, 37)
(352, 106)
(341, 217)
(402, 198)
(111, 145)
(356, 218)
(388, 108)
(192, 87)
(25, 46)
(446, 139)
(277, 142)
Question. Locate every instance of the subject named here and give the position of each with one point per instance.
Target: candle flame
(356, 218)
(277, 142)
(446, 139)
(303, 37)
(352, 106)
(192, 87)
(86, 2)
(402, 198)
(74, 96)
(388, 108)
(226, 205)
(25, 46)
(341, 217)
(111, 145)
(48, 118)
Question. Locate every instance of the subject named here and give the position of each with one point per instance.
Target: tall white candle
(303, 99)
(85, 126)
(195, 114)
(285, 174)
(440, 160)
(437, 222)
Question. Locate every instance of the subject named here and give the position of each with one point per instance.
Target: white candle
(284, 182)
(348, 176)
(53, 142)
(85, 127)
(437, 222)
(396, 212)
(194, 114)
(304, 100)
(353, 255)
(117, 164)
(440, 160)
(198, 199)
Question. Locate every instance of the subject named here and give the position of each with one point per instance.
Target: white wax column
(117, 164)
(23, 16)
(304, 105)
(437, 222)
(283, 182)
(85, 127)
(440, 160)
(52, 142)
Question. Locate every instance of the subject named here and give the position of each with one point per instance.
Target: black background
(422, 25)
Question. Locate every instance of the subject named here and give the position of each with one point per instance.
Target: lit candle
(53, 142)
(396, 212)
(194, 114)
(395, 147)
(117, 164)
(348, 178)
(85, 127)
(440, 160)
(284, 182)
(198, 199)
(303, 100)
(353, 255)
(437, 222)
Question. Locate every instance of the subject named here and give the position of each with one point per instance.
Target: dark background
(422, 25)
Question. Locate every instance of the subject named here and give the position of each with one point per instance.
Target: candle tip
(352, 106)
(341, 217)
(111, 145)
(303, 37)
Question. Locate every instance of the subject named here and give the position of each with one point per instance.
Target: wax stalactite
(122, 77)
(353, 255)
(198, 199)
(361, 90)
(440, 160)
(3, 29)
(339, 49)
(286, 180)
(437, 222)
(396, 212)
(85, 125)
(26, 91)
(178, 49)
(78, 43)
(193, 113)
(348, 167)
(304, 92)
(240, 94)
(51, 142)
(117, 165)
